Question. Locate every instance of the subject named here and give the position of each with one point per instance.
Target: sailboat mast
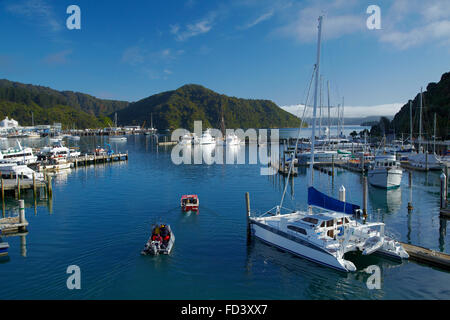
(313, 134)
(115, 119)
(320, 106)
(410, 123)
(329, 119)
(434, 135)
(420, 120)
(342, 122)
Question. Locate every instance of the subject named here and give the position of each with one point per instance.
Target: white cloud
(193, 29)
(355, 111)
(133, 56)
(38, 12)
(262, 18)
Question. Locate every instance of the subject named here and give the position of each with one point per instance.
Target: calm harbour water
(100, 218)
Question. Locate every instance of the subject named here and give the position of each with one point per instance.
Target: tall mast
(320, 106)
(342, 122)
(115, 119)
(434, 135)
(313, 134)
(338, 124)
(32, 119)
(410, 123)
(420, 120)
(329, 120)
(151, 120)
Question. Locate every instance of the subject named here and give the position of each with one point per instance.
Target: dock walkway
(428, 256)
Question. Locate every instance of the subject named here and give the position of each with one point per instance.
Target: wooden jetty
(427, 256)
(166, 143)
(19, 185)
(94, 159)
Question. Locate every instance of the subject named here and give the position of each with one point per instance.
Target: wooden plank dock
(428, 256)
(12, 225)
(93, 159)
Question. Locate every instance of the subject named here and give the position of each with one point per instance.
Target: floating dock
(427, 256)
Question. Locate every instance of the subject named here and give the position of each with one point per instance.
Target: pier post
(443, 194)
(22, 214)
(342, 193)
(410, 206)
(34, 185)
(247, 201)
(3, 190)
(365, 190)
(18, 187)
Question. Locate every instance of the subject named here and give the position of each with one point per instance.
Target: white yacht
(425, 161)
(232, 140)
(385, 172)
(186, 140)
(325, 236)
(18, 155)
(57, 150)
(328, 229)
(207, 138)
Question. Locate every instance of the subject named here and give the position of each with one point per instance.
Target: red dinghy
(189, 202)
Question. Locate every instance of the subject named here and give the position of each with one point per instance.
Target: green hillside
(180, 108)
(436, 99)
(18, 100)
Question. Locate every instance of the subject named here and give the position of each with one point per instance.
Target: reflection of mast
(222, 122)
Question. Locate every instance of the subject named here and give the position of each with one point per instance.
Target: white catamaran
(328, 229)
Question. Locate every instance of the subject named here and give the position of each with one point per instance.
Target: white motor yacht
(385, 172)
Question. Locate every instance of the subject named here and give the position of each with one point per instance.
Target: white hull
(384, 178)
(303, 250)
(424, 161)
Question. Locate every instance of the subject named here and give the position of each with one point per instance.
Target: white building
(9, 123)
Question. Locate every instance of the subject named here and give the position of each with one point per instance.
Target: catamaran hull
(387, 179)
(303, 250)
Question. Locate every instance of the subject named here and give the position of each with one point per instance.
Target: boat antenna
(313, 133)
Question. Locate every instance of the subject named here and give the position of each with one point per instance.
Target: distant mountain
(18, 101)
(356, 121)
(436, 99)
(180, 108)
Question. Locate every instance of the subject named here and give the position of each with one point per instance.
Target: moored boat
(385, 172)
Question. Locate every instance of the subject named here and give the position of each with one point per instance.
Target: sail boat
(151, 130)
(115, 137)
(328, 229)
(422, 160)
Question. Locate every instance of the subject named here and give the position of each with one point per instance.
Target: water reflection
(313, 280)
(388, 201)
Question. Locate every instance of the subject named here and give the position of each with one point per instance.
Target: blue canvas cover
(319, 199)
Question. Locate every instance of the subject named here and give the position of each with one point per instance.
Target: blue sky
(129, 50)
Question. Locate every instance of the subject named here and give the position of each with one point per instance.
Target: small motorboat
(161, 240)
(189, 202)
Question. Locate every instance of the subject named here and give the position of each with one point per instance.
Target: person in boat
(165, 235)
(157, 235)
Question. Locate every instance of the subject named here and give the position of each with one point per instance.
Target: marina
(221, 221)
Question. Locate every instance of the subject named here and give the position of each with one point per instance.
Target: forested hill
(180, 108)
(436, 99)
(18, 101)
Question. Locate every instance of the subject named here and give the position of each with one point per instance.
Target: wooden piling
(34, 185)
(3, 190)
(365, 189)
(18, 187)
